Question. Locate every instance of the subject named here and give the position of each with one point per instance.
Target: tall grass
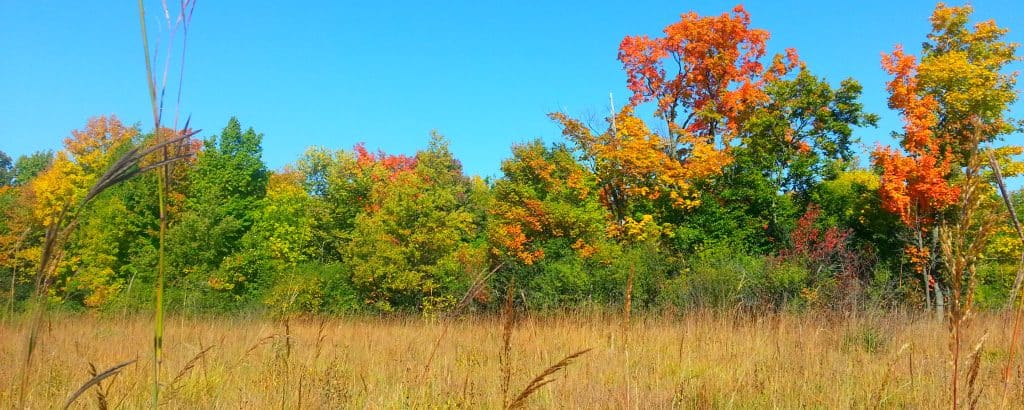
(728, 360)
(962, 239)
(180, 21)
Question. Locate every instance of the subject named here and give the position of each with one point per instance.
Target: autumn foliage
(87, 154)
(705, 78)
(914, 185)
(953, 102)
(729, 177)
(703, 75)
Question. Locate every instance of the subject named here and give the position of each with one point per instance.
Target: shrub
(717, 277)
(312, 288)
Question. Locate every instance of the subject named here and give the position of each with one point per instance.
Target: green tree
(850, 200)
(805, 126)
(222, 195)
(549, 228)
(413, 246)
(6, 170)
(20, 243)
(28, 166)
(97, 252)
(788, 145)
(339, 186)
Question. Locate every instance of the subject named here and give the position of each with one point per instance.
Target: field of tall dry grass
(697, 360)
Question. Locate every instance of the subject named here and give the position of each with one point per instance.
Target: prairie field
(761, 214)
(695, 360)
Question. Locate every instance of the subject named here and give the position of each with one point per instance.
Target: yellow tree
(87, 155)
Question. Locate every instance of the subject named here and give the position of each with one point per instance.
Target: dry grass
(699, 360)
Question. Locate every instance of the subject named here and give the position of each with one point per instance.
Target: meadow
(701, 359)
(728, 199)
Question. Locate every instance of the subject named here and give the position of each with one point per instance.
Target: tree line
(730, 178)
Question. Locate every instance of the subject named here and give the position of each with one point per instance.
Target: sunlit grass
(698, 360)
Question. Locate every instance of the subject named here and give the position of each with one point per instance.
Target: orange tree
(954, 105)
(702, 77)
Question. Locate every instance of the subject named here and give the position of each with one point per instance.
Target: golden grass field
(697, 360)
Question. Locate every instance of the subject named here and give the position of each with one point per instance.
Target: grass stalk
(973, 393)
(508, 322)
(1014, 337)
(183, 17)
(95, 381)
(962, 240)
(158, 302)
(478, 285)
(543, 379)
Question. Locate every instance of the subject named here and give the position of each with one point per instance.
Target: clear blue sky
(482, 73)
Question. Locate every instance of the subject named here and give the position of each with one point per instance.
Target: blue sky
(483, 73)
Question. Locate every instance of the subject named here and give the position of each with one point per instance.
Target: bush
(565, 279)
(313, 288)
(722, 277)
(717, 277)
(995, 280)
(788, 285)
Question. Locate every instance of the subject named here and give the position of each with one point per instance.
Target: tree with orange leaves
(953, 105)
(545, 197)
(86, 156)
(704, 76)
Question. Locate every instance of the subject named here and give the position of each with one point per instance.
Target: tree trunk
(1016, 224)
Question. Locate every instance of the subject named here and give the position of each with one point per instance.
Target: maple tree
(411, 244)
(631, 166)
(703, 76)
(549, 230)
(545, 195)
(63, 186)
(545, 216)
(953, 103)
(402, 229)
